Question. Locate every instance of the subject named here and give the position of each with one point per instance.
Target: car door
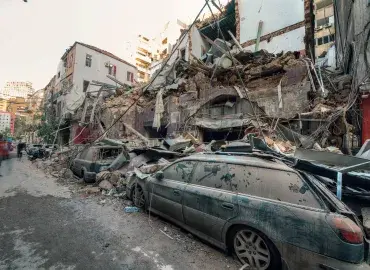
(209, 200)
(165, 196)
(78, 162)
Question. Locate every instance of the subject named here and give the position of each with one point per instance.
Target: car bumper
(297, 258)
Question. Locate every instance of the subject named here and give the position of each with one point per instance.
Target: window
(214, 175)
(319, 41)
(180, 171)
(273, 184)
(88, 60)
(112, 70)
(326, 39)
(130, 76)
(182, 52)
(86, 85)
(332, 37)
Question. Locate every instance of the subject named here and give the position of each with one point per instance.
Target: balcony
(322, 3)
(143, 70)
(324, 12)
(143, 59)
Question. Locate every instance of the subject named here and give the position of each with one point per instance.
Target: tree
(46, 131)
(6, 133)
(20, 127)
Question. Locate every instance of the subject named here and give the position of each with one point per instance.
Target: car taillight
(346, 229)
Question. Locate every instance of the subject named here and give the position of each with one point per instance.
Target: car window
(109, 153)
(213, 174)
(273, 184)
(180, 171)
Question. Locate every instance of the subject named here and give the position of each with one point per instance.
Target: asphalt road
(45, 225)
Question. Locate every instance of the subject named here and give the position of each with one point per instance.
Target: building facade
(324, 27)
(150, 52)
(17, 89)
(7, 121)
(143, 58)
(82, 64)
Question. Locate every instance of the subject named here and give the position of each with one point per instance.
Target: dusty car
(271, 216)
(93, 160)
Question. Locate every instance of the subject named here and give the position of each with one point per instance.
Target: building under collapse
(260, 80)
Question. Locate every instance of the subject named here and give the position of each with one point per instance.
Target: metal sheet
(215, 124)
(330, 159)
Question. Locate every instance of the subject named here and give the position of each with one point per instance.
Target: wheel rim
(138, 197)
(251, 249)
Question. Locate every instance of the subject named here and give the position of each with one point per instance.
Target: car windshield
(109, 153)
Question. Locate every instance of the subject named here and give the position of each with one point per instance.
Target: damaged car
(270, 215)
(93, 160)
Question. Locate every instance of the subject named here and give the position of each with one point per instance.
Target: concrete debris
(106, 185)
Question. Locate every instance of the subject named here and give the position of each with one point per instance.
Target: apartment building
(150, 52)
(143, 58)
(79, 66)
(7, 121)
(324, 26)
(17, 89)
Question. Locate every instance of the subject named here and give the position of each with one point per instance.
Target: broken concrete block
(115, 177)
(92, 190)
(106, 185)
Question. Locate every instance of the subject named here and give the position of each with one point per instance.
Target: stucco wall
(275, 14)
(290, 41)
(98, 71)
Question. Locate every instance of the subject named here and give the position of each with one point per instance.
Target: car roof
(241, 159)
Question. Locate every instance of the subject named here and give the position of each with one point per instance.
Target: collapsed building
(220, 84)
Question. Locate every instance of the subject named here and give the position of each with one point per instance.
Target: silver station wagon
(271, 216)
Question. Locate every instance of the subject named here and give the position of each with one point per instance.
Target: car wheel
(138, 196)
(254, 249)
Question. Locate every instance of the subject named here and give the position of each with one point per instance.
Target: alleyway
(43, 225)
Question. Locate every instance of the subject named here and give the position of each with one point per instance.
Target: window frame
(88, 60)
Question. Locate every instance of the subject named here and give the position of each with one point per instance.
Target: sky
(34, 35)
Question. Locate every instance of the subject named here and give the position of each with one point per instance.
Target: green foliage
(6, 133)
(46, 131)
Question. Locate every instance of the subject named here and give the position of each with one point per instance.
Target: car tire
(138, 201)
(254, 248)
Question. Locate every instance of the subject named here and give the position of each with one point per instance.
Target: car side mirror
(159, 175)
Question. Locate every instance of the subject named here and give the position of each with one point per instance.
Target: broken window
(130, 76)
(180, 171)
(88, 60)
(182, 53)
(107, 154)
(273, 184)
(214, 175)
(326, 39)
(85, 85)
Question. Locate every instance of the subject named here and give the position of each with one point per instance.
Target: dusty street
(46, 225)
